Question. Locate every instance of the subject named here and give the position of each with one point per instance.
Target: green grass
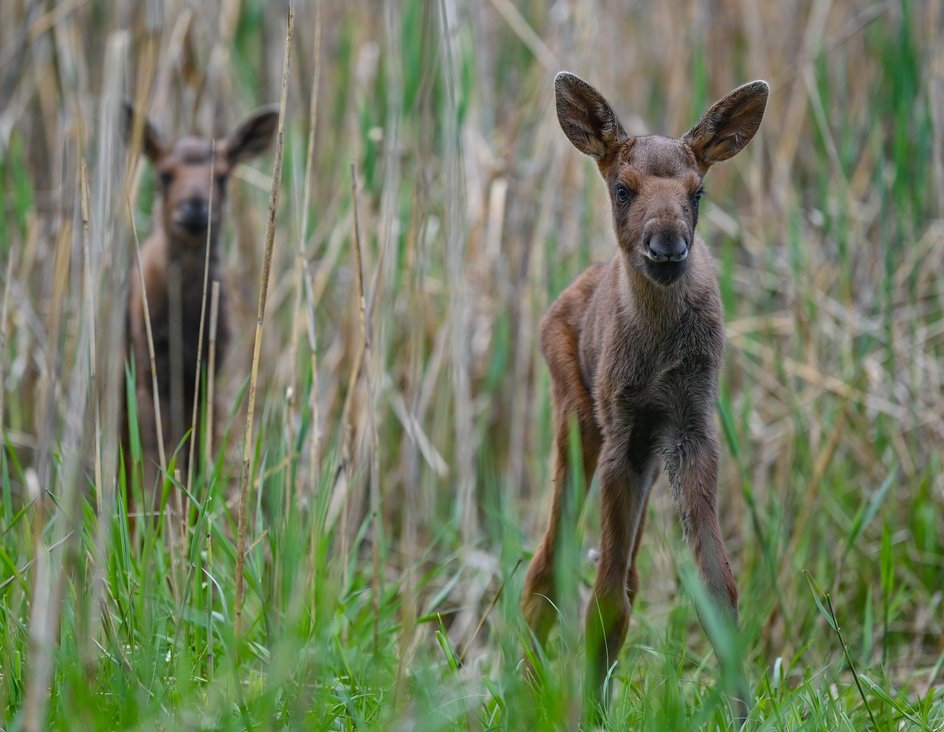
(827, 238)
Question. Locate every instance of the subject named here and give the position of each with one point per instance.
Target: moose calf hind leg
(539, 598)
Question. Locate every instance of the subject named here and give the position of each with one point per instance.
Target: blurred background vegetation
(398, 489)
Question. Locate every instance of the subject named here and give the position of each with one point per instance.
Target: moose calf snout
(193, 214)
(666, 249)
(666, 246)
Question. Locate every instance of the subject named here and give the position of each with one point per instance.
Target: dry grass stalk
(210, 581)
(211, 376)
(260, 319)
(41, 641)
(108, 265)
(11, 256)
(52, 574)
(371, 418)
(162, 455)
(93, 375)
(203, 307)
(49, 576)
(175, 316)
(347, 447)
(314, 458)
(314, 469)
(460, 297)
(300, 264)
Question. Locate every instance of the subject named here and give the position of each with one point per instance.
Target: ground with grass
(401, 442)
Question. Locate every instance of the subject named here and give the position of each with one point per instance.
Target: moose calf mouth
(192, 225)
(667, 271)
(194, 228)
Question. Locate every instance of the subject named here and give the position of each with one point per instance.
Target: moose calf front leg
(693, 472)
(623, 493)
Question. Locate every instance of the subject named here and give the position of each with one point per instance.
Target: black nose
(666, 247)
(192, 214)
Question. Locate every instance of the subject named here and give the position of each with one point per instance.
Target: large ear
(729, 124)
(586, 117)
(151, 144)
(253, 135)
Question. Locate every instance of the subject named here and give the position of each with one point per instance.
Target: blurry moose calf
(634, 349)
(192, 182)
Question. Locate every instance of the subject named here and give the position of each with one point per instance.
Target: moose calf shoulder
(634, 350)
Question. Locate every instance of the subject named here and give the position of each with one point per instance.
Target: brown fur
(634, 349)
(172, 262)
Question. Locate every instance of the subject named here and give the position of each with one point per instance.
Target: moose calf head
(190, 173)
(655, 182)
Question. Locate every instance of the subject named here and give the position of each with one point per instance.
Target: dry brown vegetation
(474, 213)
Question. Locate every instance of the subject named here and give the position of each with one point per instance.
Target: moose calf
(634, 349)
(192, 182)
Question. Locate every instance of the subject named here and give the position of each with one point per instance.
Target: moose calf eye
(622, 194)
(696, 197)
(167, 179)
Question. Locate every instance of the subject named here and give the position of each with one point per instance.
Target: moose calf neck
(634, 350)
